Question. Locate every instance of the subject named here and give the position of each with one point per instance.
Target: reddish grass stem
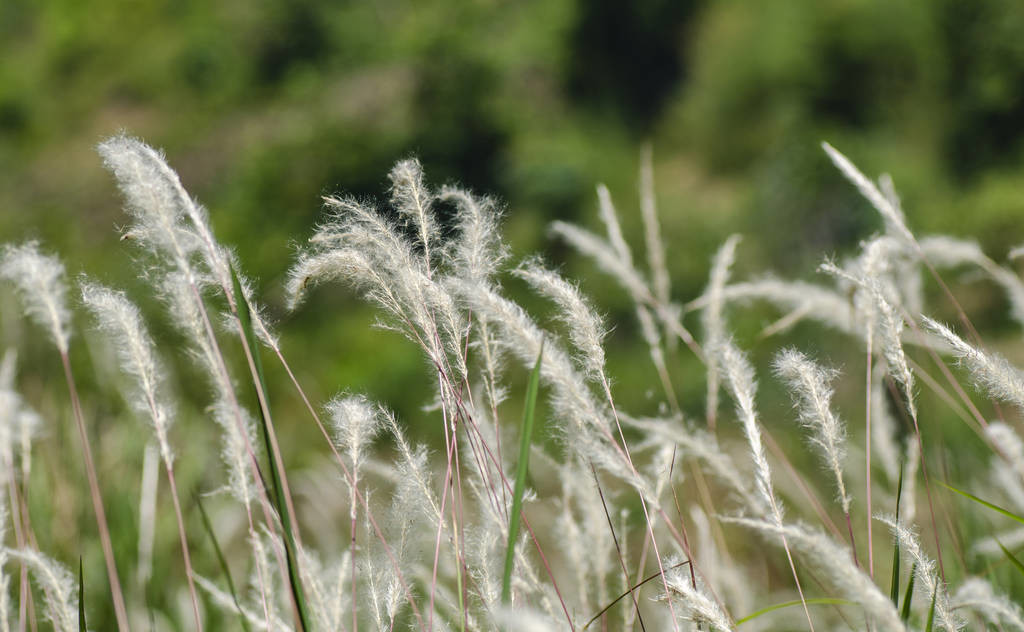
(117, 596)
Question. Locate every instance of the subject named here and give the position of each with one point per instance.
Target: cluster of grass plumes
(630, 521)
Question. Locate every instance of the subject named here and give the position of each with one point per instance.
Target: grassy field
(712, 506)
(395, 318)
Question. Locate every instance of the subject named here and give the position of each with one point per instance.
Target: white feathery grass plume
(355, 421)
(992, 546)
(892, 215)
(990, 371)
(927, 578)
(597, 533)
(338, 584)
(945, 251)
(348, 265)
(801, 300)
(652, 229)
(517, 331)
(739, 377)
(147, 513)
(264, 585)
(811, 386)
(186, 314)
(374, 577)
(586, 330)
(891, 330)
(122, 321)
(717, 567)
(703, 446)
(311, 572)
(223, 599)
(1008, 474)
(611, 222)
(525, 619)
(160, 204)
(479, 251)
(577, 550)
(169, 220)
(835, 567)
(260, 322)
(18, 424)
(628, 277)
(698, 607)
(57, 585)
(152, 196)
(978, 595)
(604, 255)
(39, 279)
(413, 201)
(414, 477)
(651, 335)
(235, 450)
(357, 244)
(713, 320)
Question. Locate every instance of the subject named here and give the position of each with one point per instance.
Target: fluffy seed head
(812, 390)
(355, 421)
(39, 279)
(585, 327)
(121, 320)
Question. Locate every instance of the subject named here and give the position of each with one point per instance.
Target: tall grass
(623, 520)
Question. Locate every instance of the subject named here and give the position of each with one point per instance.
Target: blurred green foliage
(265, 106)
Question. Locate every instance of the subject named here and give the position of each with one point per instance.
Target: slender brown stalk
(184, 545)
(97, 501)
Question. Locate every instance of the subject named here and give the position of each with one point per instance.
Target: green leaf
(290, 548)
(931, 611)
(221, 561)
(905, 614)
(81, 598)
(1005, 512)
(529, 409)
(821, 601)
(1010, 556)
(894, 587)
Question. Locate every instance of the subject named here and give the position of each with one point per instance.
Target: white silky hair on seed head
(991, 371)
(39, 279)
(355, 421)
(58, 587)
(926, 574)
(121, 320)
(835, 566)
(980, 596)
(586, 330)
(812, 389)
(698, 607)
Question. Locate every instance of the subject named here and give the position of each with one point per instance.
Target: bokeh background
(264, 107)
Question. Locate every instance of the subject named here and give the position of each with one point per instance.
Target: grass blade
(905, 613)
(993, 507)
(894, 587)
(529, 409)
(221, 561)
(290, 548)
(1010, 556)
(820, 601)
(82, 627)
(931, 611)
